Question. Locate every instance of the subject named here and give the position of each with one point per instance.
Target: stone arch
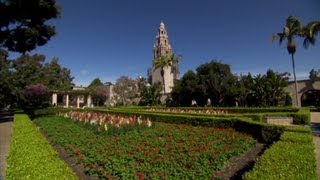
(303, 86)
(310, 98)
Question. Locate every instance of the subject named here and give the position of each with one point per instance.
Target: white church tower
(162, 47)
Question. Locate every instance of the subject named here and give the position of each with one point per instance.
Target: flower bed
(191, 111)
(164, 151)
(107, 122)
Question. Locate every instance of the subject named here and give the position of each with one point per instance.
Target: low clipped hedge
(31, 156)
(239, 110)
(292, 157)
(300, 116)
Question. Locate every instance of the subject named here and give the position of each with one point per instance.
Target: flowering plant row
(106, 120)
(192, 111)
(165, 151)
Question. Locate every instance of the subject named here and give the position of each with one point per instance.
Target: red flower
(216, 174)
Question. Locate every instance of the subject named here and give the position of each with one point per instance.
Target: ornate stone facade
(162, 47)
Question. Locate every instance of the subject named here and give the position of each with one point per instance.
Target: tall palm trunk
(295, 79)
(163, 84)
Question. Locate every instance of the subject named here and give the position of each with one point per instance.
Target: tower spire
(161, 46)
(167, 74)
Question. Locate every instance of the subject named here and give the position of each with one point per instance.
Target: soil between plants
(238, 165)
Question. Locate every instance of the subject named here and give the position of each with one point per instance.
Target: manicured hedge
(293, 157)
(300, 116)
(31, 156)
(238, 109)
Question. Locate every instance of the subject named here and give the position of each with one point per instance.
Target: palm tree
(311, 30)
(166, 61)
(292, 29)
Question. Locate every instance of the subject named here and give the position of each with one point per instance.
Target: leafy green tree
(175, 96)
(125, 91)
(244, 87)
(28, 70)
(268, 89)
(95, 83)
(23, 24)
(314, 75)
(99, 95)
(9, 91)
(57, 77)
(166, 61)
(98, 92)
(191, 90)
(150, 95)
(274, 87)
(32, 70)
(218, 83)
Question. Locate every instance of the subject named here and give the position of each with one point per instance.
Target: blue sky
(107, 39)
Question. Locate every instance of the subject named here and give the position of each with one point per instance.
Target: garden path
(5, 137)
(315, 126)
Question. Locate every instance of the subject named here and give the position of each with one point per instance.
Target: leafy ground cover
(31, 156)
(293, 157)
(162, 151)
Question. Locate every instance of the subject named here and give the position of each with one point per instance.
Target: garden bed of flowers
(163, 151)
(191, 111)
(110, 123)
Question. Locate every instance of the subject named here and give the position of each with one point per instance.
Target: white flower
(149, 123)
(139, 120)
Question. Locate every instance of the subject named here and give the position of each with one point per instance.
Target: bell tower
(162, 47)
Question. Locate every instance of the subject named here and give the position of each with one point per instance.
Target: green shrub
(292, 157)
(238, 109)
(31, 156)
(302, 117)
(50, 111)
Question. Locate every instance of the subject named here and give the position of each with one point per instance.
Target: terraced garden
(138, 143)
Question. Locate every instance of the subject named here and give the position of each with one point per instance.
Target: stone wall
(303, 86)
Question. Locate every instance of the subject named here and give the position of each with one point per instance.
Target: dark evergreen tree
(24, 25)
